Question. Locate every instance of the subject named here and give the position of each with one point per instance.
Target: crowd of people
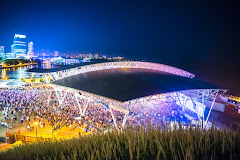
(93, 114)
(41, 104)
(19, 104)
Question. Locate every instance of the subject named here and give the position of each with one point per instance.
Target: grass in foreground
(137, 143)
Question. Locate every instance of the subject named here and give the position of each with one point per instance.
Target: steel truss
(196, 96)
(112, 65)
(112, 104)
(208, 94)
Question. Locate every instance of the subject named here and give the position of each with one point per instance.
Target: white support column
(45, 78)
(124, 120)
(183, 107)
(51, 77)
(84, 110)
(114, 120)
(211, 107)
(60, 96)
(194, 104)
(203, 104)
(81, 113)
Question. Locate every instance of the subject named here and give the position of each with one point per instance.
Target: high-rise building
(96, 56)
(19, 46)
(80, 56)
(56, 53)
(30, 49)
(9, 56)
(12, 49)
(90, 56)
(2, 53)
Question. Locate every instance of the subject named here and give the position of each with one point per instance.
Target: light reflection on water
(20, 72)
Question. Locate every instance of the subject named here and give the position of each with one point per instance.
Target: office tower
(12, 49)
(2, 54)
(96, 56)
(30, 49)
(56, 53)
(9, 56)
(90, 56)
(19, 46)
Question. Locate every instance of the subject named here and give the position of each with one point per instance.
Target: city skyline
(199, 37)
(119, 79)
(23, 49)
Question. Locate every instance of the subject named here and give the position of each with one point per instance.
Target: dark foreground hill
(137, 143)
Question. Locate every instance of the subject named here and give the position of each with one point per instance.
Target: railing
(14, 137)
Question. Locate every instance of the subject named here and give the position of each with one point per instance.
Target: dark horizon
(202, 38)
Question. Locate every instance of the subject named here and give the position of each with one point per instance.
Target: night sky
(202, 38)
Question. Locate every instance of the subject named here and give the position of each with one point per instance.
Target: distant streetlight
(36, 123)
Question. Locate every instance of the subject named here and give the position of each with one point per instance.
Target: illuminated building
(90, 56)
(12, 48)
(9, 56)
(68, 61)
(19, 46)
(81, 55)
(30, 49)
(2, 54)
(96, 56)
(86, 60)
(56, 53)
(118, 58)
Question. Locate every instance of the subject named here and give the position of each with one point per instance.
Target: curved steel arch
(116, 65)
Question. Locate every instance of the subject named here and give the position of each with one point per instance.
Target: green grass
(137, 143)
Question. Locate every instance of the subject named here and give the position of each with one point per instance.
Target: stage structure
(189, 100)
(134, 90)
